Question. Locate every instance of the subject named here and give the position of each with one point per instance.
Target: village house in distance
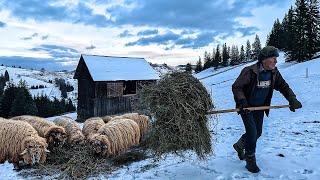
(107, 85)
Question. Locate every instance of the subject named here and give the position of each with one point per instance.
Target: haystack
(179, 103)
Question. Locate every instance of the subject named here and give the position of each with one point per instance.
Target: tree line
(229, 56)
(298, 35)
(16, 100)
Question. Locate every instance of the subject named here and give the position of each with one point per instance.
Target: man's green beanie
(267, 52)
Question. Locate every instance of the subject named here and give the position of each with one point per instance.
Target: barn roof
(110, 68)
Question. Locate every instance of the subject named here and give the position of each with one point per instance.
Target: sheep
(115, 137)
(19, 141)
(55, 135)
(72, 128)
(141, 120)
(91, 126)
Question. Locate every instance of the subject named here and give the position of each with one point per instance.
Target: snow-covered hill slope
(36, 78)
(294, 135)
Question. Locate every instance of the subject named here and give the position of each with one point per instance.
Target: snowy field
(295, 136)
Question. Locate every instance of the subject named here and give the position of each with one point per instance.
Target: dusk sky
(53, 33)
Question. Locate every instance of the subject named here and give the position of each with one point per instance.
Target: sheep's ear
(47, 151)
(24, 152)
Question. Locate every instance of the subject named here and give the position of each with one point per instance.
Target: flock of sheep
(28, 139)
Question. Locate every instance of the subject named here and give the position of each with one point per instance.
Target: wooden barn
(108, 85)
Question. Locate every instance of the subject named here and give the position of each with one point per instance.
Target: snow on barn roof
(110, 68)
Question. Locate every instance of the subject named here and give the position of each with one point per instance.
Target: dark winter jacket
(244, 86)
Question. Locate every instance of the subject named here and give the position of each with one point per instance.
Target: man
(254, 87)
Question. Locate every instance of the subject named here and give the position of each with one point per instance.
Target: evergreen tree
(188, 68)
(217, 58)
(289, 34)
(2, 84)
(256, 47)
(1, 96)
(23, 102)
(248, 50)
(70, 107)
(313, 28)
(213, 57)
(234, 55)
(300, 51)
(198, 66)
(225, 56)
(207, 60)
(275, 37)
(242, 56)
(6, 76)
(7, 99)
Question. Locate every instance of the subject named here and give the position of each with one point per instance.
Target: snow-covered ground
(296, 136)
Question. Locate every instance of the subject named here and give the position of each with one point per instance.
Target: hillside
(45, 78)
(295, 136)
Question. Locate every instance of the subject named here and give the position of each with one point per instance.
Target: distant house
(108, 85)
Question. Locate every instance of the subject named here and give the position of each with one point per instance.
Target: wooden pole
(249, 108)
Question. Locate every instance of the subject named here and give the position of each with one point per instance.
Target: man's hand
(294, 104)
(243, 104)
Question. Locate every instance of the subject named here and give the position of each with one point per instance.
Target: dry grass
(179, 103)
(79, 162)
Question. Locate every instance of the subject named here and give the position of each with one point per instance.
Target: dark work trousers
(253, 124)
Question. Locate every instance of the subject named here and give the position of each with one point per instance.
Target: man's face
(269, 63)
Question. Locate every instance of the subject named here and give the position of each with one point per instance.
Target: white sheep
(142, 120)
(19, 141)
(72, 128)
(91, 126)
(115, 137)
(55, 135)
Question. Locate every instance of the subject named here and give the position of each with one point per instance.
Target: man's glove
(243, 104)
(294, 104)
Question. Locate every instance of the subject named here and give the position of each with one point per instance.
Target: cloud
(37, 63)
(59, 53)
(216, 18)
(202, 39)
(90, 47)
(247, 31)
(173, 40)
(50, 10)
(30, 37)
(148, 32)
(125, 33)
(2, 24)
(157, 39)
(44, 37)
(213, 16)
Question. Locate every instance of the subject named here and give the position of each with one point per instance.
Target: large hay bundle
(179, 103)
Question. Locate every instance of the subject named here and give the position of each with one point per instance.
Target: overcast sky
(55, 33)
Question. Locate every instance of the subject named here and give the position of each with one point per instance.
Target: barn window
(114, 89)
(129, 87)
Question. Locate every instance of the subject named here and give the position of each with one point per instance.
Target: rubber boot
(251, 163)
(239, 147)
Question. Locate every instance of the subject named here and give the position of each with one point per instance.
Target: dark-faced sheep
(115, 137)
(19, 141)
(72, 128)
(91, 126)
(55, 135)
